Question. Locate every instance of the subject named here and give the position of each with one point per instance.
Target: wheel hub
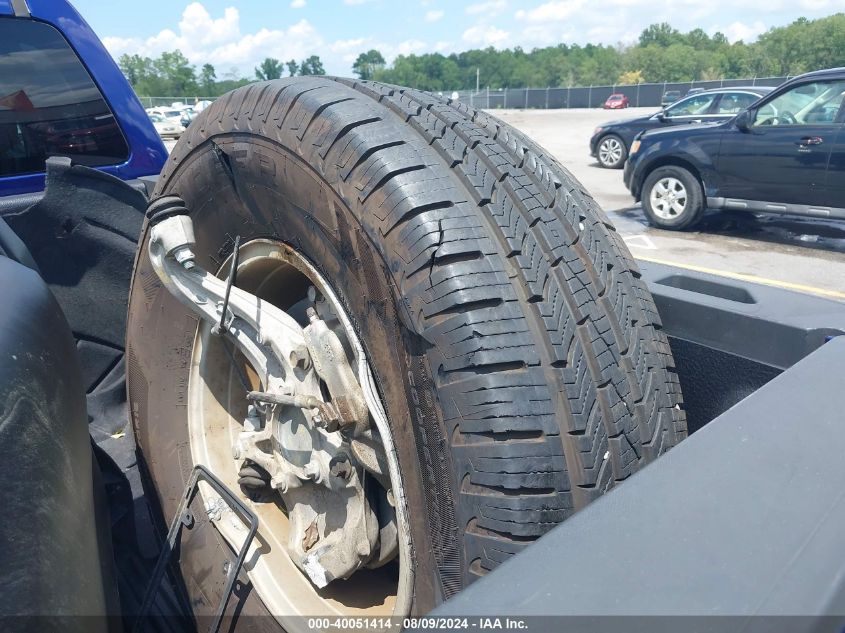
(308, 428)
(610, 151)
(668, 198)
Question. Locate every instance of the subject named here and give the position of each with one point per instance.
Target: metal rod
(233, 272)
(302, 402)
(246, 515)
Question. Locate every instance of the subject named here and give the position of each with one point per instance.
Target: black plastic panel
(729, 338)
(51, 546)
(82, 234)
(713, 381)
(763, 324)
(743, 519)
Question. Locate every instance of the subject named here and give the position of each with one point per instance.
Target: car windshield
(155, 118)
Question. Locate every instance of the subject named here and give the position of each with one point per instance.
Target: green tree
(227, 85)
(662, 54)
(368, 64)
(135, 67)
(269, 69)
(177, 74)
(630, 78)
(142, 75)
(208, 78)
(660, 35)
(805, 45)
(311, 66)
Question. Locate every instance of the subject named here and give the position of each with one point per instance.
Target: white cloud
(817, 5)
(297, 41)
(434, 16)
(539, 35)
(219, 41)
(405, 48)
(486, 35)
(354, 3)
(796, 8)
(198, 26)
(341, 46)
(297, 4)
(669, 5)
(487, 9)
(348, 50)
(483, 33)
(745, 32)
(554, 11)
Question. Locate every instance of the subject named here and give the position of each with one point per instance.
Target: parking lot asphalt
(803, 254)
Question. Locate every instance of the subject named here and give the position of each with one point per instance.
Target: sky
(235, 36)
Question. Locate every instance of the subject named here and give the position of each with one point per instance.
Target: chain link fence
(640, 95)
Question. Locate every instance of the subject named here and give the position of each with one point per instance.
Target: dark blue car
(61, 94)
(785, 154)
(611, 141)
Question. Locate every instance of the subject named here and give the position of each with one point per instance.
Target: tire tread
(553, 375)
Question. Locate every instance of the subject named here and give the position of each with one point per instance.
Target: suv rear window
(49, 105)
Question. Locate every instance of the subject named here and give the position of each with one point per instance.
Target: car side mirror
(743, 121)
(662, 115)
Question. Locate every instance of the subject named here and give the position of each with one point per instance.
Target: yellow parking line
(788, 285)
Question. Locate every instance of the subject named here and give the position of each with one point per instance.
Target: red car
(616, 102)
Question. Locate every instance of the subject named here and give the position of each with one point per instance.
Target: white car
(166, 127)
(171, 114)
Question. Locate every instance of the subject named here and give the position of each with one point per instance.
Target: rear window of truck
(49, 105)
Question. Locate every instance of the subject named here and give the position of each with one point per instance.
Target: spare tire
(516, 350)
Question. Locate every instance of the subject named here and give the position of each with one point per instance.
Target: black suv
(612, 141)
(784, 154)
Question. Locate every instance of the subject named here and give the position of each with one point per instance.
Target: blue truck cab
(78, 153)
(62, 94)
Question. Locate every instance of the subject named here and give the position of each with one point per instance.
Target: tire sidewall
(162, 331)
(695, 198)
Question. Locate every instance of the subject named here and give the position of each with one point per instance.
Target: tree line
(662, 53)
(171, 74)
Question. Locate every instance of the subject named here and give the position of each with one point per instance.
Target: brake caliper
(316, 450)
